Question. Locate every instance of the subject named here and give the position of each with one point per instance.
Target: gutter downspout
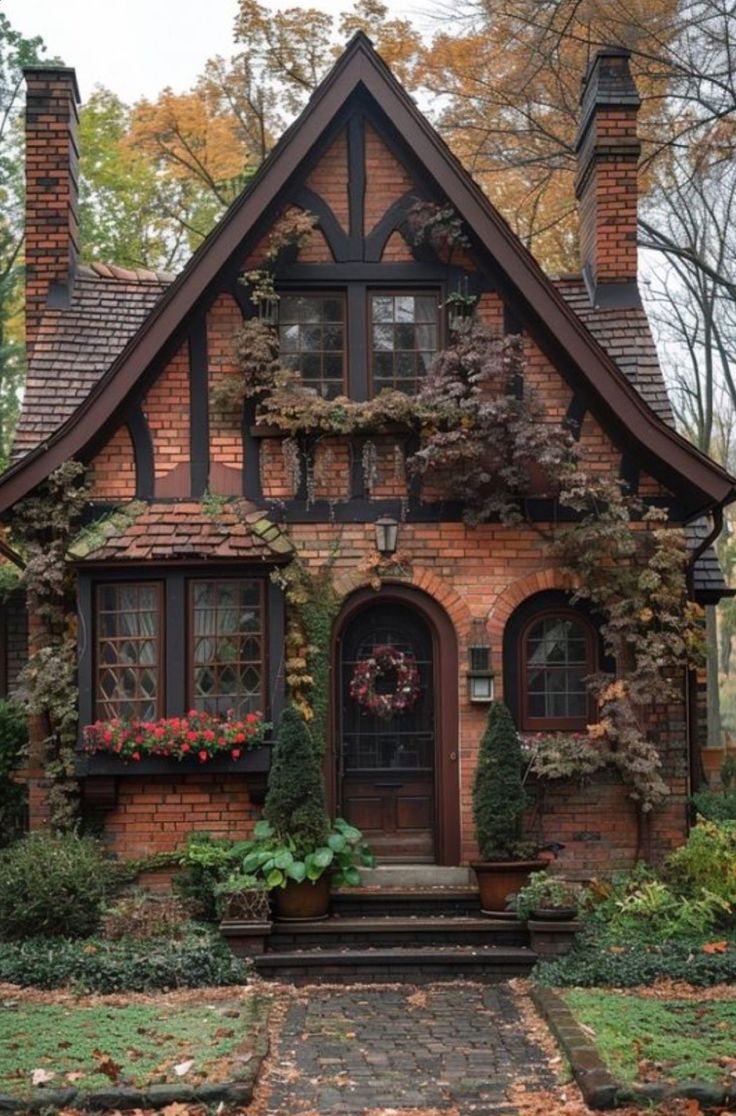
(695, 766)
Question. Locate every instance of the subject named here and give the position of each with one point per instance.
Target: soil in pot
(554, 914)
(301, 902)
(499, 878)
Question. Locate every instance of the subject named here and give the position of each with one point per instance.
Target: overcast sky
(136, 47)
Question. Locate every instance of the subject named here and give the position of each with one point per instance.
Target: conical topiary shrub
(295, 802)
(498, 792)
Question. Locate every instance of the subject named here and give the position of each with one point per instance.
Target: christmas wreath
(386, 660)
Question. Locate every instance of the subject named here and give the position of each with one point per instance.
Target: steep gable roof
(361, 69)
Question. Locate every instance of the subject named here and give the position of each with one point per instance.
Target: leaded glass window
(312, 340)
(227, 645)
(557, 657)
(404, 339)
(129, 643)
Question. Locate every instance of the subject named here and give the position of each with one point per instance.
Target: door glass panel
(405, 741)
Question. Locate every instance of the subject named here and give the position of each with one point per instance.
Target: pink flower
(235, 753)
(203, 757)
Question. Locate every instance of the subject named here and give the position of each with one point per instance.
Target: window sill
(256, 762)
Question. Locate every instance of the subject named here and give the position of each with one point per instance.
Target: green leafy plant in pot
(295, 849)
(507, 860)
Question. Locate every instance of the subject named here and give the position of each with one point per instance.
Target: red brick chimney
(606, 184)
(52, 219)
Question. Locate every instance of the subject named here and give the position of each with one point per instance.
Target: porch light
(480, 675)
(387, 534)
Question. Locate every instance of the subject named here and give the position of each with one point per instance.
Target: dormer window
(312, 340)
(404, 329)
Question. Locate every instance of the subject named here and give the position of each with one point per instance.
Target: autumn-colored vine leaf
(106, 1065)
(715, 947)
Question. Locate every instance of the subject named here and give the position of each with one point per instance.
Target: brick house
(122, 367)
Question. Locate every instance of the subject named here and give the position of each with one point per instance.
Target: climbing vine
(312, 606)
(43, 527)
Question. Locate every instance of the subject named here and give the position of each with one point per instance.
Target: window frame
(417, 290)
(527, 723)
(174, 688)
(264, 632)
(340, 293)
(139, 582)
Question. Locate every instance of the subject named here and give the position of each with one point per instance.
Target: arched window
(557, 652)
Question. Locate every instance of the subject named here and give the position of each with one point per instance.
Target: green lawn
(137, 1044)
(670, 1040)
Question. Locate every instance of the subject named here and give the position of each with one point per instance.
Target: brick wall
(329, 179)
(386, 178)
(166, 408)
(112, 472)
(156, 814)
(226, 440)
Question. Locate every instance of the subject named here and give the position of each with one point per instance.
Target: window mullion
(357, 342)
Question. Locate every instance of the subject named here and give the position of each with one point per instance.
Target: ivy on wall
(43, 527)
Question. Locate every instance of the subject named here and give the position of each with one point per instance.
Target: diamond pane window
(404, 339)
(558, 653)
(312, 340)
(128, 651)
(227, 645)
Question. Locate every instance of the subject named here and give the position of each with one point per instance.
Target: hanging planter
(386, 661)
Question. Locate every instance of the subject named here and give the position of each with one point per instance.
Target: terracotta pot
(302, 902)
(499, 878)
(552, 939)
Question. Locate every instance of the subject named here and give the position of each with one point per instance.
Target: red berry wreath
(386, 660)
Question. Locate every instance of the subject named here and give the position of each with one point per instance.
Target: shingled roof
(77, 345)
(187, 530)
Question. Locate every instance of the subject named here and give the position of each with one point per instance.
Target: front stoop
(409, 932)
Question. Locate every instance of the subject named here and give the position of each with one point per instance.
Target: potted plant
(295, 849)
(300, 877)
(549, 906)
(498, 809)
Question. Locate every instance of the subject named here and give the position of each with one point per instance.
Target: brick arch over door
(446, 696)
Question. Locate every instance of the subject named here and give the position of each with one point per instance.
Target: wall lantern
(480, 675)
(387, 534)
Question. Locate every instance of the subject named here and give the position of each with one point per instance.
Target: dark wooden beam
(356, 184)
(337, 239)
(140, 436)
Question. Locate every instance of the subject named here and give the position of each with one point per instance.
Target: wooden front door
(387, 765)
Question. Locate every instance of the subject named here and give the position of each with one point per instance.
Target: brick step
(405, 902)
(391, 930)
(415, 965)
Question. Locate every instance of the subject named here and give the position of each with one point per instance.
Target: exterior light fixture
(480, 675)
(387, 534)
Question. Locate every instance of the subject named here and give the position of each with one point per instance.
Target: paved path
(440, 1047)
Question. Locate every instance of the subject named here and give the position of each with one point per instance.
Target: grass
(136, 1044)
(641, 1038)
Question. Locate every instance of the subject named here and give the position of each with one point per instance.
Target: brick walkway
(438, 1047)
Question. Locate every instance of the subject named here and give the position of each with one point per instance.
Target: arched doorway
(396, 777)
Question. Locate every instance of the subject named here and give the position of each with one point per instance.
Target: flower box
(194, 742)
(256, 761)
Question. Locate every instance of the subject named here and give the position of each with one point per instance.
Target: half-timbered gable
(178, 606)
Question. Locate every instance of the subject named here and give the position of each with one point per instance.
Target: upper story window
(312, 340)
(558, 652)
(227, 645)
(129, 649)
(404, 329)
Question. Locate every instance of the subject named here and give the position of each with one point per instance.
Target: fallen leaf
(41, 1076)
(75, 1075)
(715, 947)
(106, 1065)
(183, 1067)
(175, 1109)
